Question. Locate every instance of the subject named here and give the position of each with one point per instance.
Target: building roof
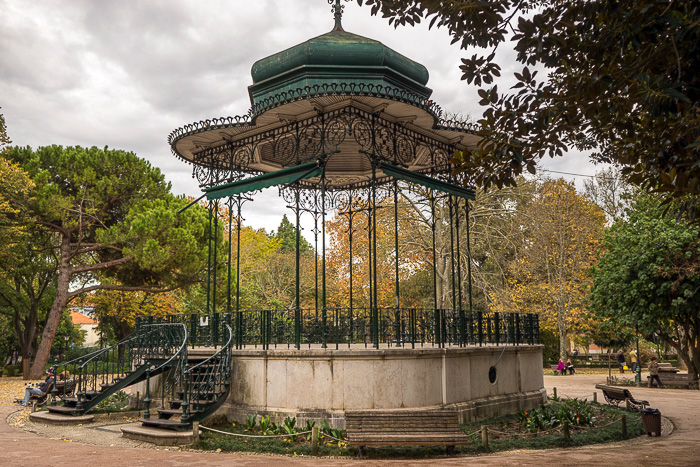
(79, 318)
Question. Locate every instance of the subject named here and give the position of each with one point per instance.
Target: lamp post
(66, 338)
(638, 370)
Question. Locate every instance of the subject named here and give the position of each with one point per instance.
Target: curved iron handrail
(120, 364)
(225, 346)
(204, 392)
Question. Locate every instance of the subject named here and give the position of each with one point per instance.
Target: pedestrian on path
(654, 373)
(621, 360)
(633, 357)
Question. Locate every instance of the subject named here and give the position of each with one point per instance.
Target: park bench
(554, 369)
(404, 428)
(614, 396)
(39, 400)
(65, 388)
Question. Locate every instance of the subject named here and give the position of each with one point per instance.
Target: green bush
(576, 412)
(11, 370)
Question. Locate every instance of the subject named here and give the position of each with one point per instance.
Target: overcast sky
(125, 74)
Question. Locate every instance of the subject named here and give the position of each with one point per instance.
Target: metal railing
(207, 383)
(396, 327)
(87, 378)
(202, 386)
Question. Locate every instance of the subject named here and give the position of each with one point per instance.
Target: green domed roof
(334, 58)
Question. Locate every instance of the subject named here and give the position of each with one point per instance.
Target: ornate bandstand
(344, 126)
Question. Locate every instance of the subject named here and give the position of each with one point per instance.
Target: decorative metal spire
(337, 10)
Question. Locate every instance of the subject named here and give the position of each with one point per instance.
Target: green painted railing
(404, 327)
(88, 380)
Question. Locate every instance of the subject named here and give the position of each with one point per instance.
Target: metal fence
(346, 327)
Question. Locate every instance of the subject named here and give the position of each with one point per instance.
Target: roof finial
(338, 13)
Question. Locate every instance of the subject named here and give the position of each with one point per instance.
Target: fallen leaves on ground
(11, 389)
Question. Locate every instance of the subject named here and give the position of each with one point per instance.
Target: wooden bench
(404, 428)
(557, 372)
(65, 388)
(614, 395)
(36, 399)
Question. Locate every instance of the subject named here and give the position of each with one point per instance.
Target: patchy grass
(602, 424)
(514, 432)
(210, 441)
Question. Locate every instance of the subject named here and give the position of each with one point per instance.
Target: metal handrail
(109, 366)
(206, 387)
(225, 347)
(181, 351)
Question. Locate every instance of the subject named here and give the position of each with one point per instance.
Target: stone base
(320, 384)
(60, 419)
(157, 436)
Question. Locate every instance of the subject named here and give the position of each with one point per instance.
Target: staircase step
(167, 424)
(206, 395)
(176, 403)
(108, 385)
(63, 409)
(173, 412)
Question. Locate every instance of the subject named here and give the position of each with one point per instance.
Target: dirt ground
(24, 443)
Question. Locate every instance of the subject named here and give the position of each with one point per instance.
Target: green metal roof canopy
(424, 180)
(290, 175)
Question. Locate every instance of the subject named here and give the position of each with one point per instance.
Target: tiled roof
(79, 318)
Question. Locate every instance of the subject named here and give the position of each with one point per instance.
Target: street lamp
(66, 338)
(638, 372)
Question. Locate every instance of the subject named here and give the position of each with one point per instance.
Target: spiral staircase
(186, 368)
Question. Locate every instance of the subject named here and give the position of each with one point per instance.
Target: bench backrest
(615, 393)
(402, 422)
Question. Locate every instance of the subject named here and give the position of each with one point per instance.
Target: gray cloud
(125, 74)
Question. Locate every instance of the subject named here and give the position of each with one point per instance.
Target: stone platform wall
(321, 384)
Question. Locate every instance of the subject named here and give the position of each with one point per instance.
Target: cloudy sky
(125, 74)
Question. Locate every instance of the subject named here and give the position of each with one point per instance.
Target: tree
(620, 78)
(648, 278)
(4, 138)
(287, 236)
(560, 233)
(117, 310)
(27, 289)
(609, 191)
(113, 224)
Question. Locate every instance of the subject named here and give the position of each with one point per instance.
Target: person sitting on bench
(561, 368)
(40, 390)
(570, 367)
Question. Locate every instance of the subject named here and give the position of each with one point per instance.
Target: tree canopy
(112, 224)
(648, 278)
(620, 79)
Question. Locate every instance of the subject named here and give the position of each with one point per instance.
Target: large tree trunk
(54, 318)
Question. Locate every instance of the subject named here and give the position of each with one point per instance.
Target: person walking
(654, 373)
(621, 360)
